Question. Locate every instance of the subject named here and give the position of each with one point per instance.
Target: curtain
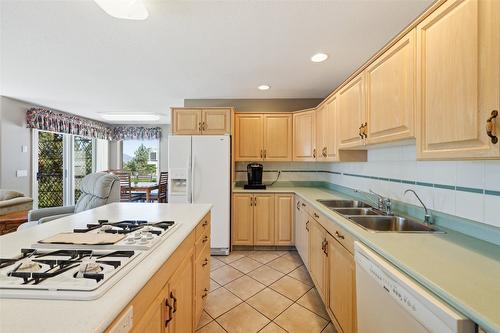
(61, 122)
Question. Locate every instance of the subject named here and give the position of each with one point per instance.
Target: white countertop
(461, 270)
(29, 315)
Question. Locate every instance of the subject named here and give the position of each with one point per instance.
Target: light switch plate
(22, 173)
(24, 149)
(125, 323)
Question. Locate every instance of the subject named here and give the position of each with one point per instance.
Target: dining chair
(161, 194)
(125, 188)
(145, 178)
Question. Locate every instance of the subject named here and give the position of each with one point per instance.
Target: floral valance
(56, 121)
(136, 133)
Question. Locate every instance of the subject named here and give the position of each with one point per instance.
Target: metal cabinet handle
(307, 225)
(172, 295)
(303, 204)
(298, 203)
(204, 224)
(339, 235)
(324, 246)
(491, 127)
(316, 215)
(265, 153)
(170, 313)
(205, 294)
(199, 126)
(205, 262)
(314, 152)
(204, 126)
(261, 153)
(360, 133)
(365, 130)
(324, 152)
(205, 239)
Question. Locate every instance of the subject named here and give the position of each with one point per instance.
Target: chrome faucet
(384, 203)
(427, 216)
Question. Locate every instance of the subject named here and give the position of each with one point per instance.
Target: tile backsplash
(468, 189)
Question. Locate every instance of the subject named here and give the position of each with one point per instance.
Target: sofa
(97, 189)
(13, 201)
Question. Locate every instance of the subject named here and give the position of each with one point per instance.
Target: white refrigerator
(199, 172)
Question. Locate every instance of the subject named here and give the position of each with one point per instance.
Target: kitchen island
(142, 296)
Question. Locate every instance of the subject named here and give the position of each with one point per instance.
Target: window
(141, 157)
(60, 163)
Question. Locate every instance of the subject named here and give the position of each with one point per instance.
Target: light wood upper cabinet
(304, 136)
(186, 121)
(458, 80)
(278, 137)
(284, 230)
(216, 121)
(249, 138)
(198, 121)
(263, 219)
(351, 113)
(342, 285)
(326, 131)
(317, 256)
(242, 221)
(390, 93)
(321, 129)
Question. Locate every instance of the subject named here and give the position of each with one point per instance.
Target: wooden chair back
(125, 188)
(163, 187)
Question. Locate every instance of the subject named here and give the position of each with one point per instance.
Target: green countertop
(462, 270)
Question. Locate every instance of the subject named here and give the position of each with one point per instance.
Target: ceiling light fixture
(130, 117)
(319, 57)
(124, 9)
(264, 87)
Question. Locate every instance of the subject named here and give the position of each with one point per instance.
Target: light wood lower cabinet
(302, 231)
(341, 285)
(168, 302)
(262, 219)
(318, 257)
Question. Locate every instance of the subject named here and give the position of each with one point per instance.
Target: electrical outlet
(125, 323)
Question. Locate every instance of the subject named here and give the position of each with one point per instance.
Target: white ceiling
(70, 55)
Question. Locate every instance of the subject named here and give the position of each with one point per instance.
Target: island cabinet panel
(317, 256)
(304, 136)
(248, 137)
(202, 266)
(342, 286)
(263, 219)
(351, 113)
(284, 231)
(458, 81)
(242, 219)
(186, 121)
(390, 93)
(167, 303)
(278, 137)
(302, 231)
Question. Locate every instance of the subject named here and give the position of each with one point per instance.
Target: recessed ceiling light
(319, 57)
(129, 9)
(264, 87)
(130, 117)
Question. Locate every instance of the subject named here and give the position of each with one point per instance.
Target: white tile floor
(262, 291)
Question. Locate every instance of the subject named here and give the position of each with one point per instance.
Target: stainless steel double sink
(373, 219)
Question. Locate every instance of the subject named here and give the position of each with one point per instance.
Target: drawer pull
(204, 224)
(307, 225)
(316, 215)
(170, 313)
(172, 295)
(303, 204)
(205, 294)
(339, 235)
(205, 262)
(205, 239)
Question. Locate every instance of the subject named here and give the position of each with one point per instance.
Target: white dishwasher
(388, 301)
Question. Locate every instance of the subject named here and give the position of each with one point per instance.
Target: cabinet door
(242, 226)
(342, 285)
(330, 130)
(248, 137)
(202, 284)
(304, 136)
(320, 133)
(298, 227)
(181, 296)
(317, 258)
(216, 121)
(458, 80)
(351, 113)
(390, 90)
(263, 219)
(186, 121)
(284, 219)
(152, 320)
(278, 137)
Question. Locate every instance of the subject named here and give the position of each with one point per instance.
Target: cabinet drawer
(344, 238)
(202, 283)
(201, 243)
(203, 228)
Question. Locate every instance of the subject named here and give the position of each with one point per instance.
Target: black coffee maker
(254, 176)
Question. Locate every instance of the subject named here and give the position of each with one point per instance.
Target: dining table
(144, 187)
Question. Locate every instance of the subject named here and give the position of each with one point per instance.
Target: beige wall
(13, 136)
(257, 105)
